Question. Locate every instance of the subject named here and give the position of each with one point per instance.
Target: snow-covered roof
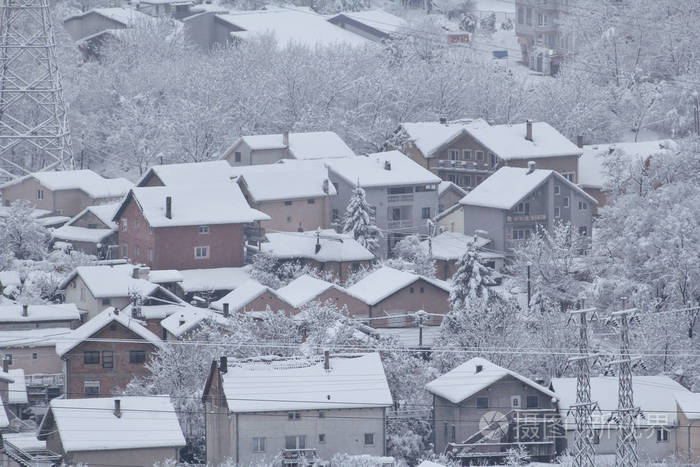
(17, 390)
(689, 403)
(93, 184)
(104, 212)
(377, 19)
(410, 337)
(69, 233)
(240, 297)
(26, 441)
(221, 203)
(292, 26)
(50, 312)
(591, 169)
(126, 16)
(380, 169)
(91, 425)
(303, 289)
(429, 137)
(67, 343)
(430, 464)
(509, 185)
(106, 281)
(202, 280)
(271, 182)
(445, 185)
(354, 381)
(42, 337)
(465, 381)
(449, 246)
(187, 318)
(190, 173)
(386, 281)
(155, 312)
(302, 146)
(653, 394)
(164, 276)
(333, 246)
(53, 221)
(4, 421)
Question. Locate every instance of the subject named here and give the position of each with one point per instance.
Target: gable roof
(87, 330)
(449, 246)
(189, 317)
(304, 289)
(190, 173)
(283, 385)
(242, 295)
(128, 17)
(50, 312)
(509, 185)
(333, 246)
(106, 281)
(288, 181)
(430, 137)
(376, 19)
(104, 212)
(69, 233)
(91, 425)
(446, 186)
(308, 145)
(221, 203)
(382, 169)
(464, 381)
(386, 281)
(200, 280)
(689, 403)
(91, 183)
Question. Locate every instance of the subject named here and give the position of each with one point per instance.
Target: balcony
(400, 198)
(400, 224)
(527, 218)
(293, 457)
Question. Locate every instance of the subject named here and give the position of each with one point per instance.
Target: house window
(425, 213)
(91, 357)
(91, 388)
(355, 267)
(411, 289)
(528, 16)
(287, 203)
(82, 294)
(521, 15)
(295, 442)
(294, 416)
(35, 356)
(521, 234)
(422, 289)
(583, 231)
(237, 156)
(369, 439)
(289, 219)
(570, 176)
(542, 19)
(310, 201)
(480, 155)
(566, 201)
(596, 436)
(203, 229)
(532, 402)
(258, 443)
(557, 189)
(125, 250)
(582, 205)
(453, 154)
(661, 435)
(137, 356)
(8, 357)
(466, 180)
(523, 208)
(482, 402)
(107, 359)
(124, 225)
(138, 251)
(557, 212)
(396, 214)
(493, 160)
(106, 301)
(201, 252)
(467, 154)
(335, 214)
(453, 434)
(40, 194)
(321, 438)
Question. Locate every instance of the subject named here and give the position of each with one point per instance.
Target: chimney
(226, 312)
(169, 207)
(528, 130)
(443, 120)
(531, 166)
(223, 365)
(300, 228)
(116, 311)
(143, 272)
(387, 165)
(25, 310)
(579, 141)
(479, 368)
(135, 272)
(326, 360)
(318, 241)
(118, 408)
(285, 139)
(6, 365)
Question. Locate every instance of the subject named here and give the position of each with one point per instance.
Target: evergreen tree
(359, 221)
(470, 281)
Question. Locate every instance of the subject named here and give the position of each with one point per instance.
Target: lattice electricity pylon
(583, 450)
(627, 413)
(34, 132)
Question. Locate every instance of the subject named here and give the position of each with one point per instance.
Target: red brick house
(252, 296)
(306, 289)
(185, 227)
(104, 354)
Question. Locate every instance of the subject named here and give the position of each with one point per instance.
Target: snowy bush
(21, 234)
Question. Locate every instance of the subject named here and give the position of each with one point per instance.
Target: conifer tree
(470, 281)
(359, 220)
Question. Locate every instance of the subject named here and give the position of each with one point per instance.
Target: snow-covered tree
(21, 234)
(409, 254)
(469, 287)
(359, 221)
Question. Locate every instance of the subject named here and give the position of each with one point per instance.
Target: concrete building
(403, 194)
(480, 410)
(449, 194)
(375, 25)
(34, 350)
(543, 42)
(513, 203)
(688, 438)
(104, 354)
(91, 231)
(66, 192)
(177, 9)
(125, 430)
(305, 418)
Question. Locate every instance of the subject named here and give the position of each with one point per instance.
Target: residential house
(451, 219)
(25, 449)
(66, 192)
(513, 202)
(326, 251)
(403, 194)
(447, 248)
(393, 297)
(207, 285)
(91, 231)
(295, 196)
(34, 351)
(189, 173)
(306, 289)
(481, 410)
(268, 149)
(449, 194)
(260, 409)
(94, 288)
(177, 9)
(24, 317)
(417, 337)
(376, 25)
(543, 42)
(659, 432)
(252, 296)
(288, 25)
(124, 430)
(466, 152)
(593, 175)
(187, 319)
(185, 227)
(688, 414)
(104, 354)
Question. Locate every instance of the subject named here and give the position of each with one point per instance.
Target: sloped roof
(333, 246)
(104, 212)
(445, 185)
(189, 317)
(354, 381)
(242, 295)
(453, 245)
(190, 173)
(126, 16)
(105, 281)
(380, 169)
(70, 233)
(17, 390)
(386, 281)
(289, 181)
(689, 403)
(377, 19)
(164, 276)
(430, 137)
(201, 280)
(221, 203)
(464, 381)
(49, 312)
(308, 145)
(41, 337)
(303, 289)
(91, 183)
(91, 425)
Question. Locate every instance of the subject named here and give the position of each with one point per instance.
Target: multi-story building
(542, 41)
(513, 202)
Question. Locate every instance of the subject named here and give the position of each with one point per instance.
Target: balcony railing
(401, 198)
(299, 456)
(44, 380)
(400, 224)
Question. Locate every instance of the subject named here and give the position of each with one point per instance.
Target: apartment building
(543, 42)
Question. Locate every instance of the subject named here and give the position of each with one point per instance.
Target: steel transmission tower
(34, 132)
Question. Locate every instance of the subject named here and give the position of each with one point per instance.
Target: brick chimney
(5, 365)
(226, 310)
(579, 141)
(25, 310)
(285, 139)
(223, 365)
(479, 368)
(443, 120)
(528, 130)
(387, 165)
(118, 408)
(169, 207)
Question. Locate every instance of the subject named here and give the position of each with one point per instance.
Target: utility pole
(529, 288)
(583, 451)
(421, 316)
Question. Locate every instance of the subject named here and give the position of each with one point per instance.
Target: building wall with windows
(34, 360)
(653, 443)
(294, 214)
(420, 295)
(78, 292)
(542, 42)
(242, 154)
(63, 202)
